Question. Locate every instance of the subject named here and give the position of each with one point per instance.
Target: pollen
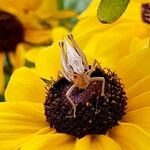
(11, 32)
(95, 114)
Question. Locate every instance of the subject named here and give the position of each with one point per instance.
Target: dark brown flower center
(95, 114)
(11, 32)
(146, 12)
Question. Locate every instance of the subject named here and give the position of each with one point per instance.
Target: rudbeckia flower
(27, 23)
(37, 115)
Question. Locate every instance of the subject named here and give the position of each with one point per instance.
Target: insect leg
(95, 62)
(64, 74)
(70, 100)
(102, 89)
(103, 84)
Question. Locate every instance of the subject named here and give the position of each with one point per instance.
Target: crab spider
(76, 70)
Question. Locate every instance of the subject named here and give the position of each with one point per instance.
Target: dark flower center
(146, 12)
(11, 32)
(95, 114)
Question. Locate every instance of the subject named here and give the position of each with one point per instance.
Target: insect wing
(74, 60)
(65, 66)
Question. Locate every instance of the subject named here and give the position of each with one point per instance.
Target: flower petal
(117, 48)
(48, 62)
(139, 117)
(17, 58)
(21, 6)
(139, 101)
(18, 122)
(83, 143)
(53, 141)
(107, 143)
(31, 54)
(96, 142)
(130, 137)
(39, 36)
(24, 85)
(58, 33)
(138, 88)
(134, 67)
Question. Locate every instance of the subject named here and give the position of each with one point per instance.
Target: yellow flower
(32, 22)
(23, 123)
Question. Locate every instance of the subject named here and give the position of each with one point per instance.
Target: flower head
(26, 93)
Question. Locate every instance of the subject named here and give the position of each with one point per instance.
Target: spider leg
(70, 100)
(64, 74)
(103, 84)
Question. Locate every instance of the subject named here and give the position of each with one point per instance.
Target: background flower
(26, 24)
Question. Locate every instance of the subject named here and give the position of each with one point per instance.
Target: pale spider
(76, 69)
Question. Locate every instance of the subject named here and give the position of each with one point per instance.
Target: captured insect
(76, 69)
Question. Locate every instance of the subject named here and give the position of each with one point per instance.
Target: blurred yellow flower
(27, 23)
(23, 123)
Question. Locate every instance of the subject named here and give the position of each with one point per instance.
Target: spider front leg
(103, 84)
(70, 100)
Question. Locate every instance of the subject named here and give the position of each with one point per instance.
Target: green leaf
(110, 10)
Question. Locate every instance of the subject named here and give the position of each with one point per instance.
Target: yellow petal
(58, 33)
(19, 121)
(47, 8)
(119, 42)
(38, 36)
(27, 5)
(130, 137)
(139, 117)
(17, 58)
(106, 143)
(83, 143)
(32, 53)
(134, 68)
(140, 101)
(54, 141)
(138, 88)
(64, 14)
(89, 26)
(90, 10)
(138, 44)
(2, 57)
(48, 62)
(21, 6)
(96, 142)
(24, 85)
